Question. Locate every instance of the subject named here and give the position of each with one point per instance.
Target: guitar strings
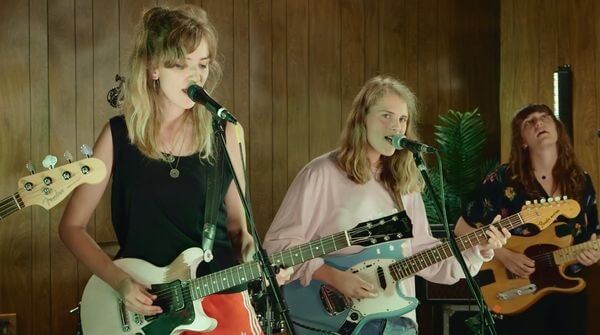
(165, 296)
(168, 292)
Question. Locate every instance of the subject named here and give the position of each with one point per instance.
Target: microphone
(402, 142)
(199, 95)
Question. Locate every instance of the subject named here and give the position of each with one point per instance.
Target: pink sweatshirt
(322, 201)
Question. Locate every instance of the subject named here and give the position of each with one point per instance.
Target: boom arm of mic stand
(487, 319)
(261, 254)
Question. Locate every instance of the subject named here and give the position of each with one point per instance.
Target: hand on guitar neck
(590, 256)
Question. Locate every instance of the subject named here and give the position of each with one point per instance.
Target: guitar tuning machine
(30, 167)
(87, 151)
(68, 156)
(49, 162)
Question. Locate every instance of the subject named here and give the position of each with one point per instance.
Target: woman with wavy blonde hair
(162, 155)
(364, 179)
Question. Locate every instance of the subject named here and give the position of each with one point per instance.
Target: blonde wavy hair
(399, 173)
(165, 36)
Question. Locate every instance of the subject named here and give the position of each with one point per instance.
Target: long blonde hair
(399, 173)
(165, 36)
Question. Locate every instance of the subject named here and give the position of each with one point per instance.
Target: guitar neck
(10, 205)
(244, 273)
(411, 265)
(569, 254)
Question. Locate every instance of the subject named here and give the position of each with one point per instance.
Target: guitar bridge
(333, 301)
(517, 292)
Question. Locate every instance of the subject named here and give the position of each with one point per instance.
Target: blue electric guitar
(180, 292)
(321, 307)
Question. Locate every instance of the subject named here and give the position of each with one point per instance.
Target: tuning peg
(527, 202)
(565, 197)
(557, 198)
(542, 201)
(29, 166)
(87, 151)
(550, 199)
(68, 156)
(49, 162)
(535, 201)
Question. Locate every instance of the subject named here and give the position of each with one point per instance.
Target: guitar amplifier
(431, 292)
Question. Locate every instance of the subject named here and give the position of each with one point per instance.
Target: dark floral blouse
(498, 195)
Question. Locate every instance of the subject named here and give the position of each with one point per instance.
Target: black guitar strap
(213, 188)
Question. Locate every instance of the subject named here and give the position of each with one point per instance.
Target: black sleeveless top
(156, 217)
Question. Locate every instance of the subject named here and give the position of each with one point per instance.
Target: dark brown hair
(567, 173)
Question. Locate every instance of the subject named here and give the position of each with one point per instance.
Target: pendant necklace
(170, 158)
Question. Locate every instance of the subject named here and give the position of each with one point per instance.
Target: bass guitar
(507, 293)
(319, 306)
(180, 293)
(48, 188)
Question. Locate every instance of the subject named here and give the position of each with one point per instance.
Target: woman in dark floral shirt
(542, 164)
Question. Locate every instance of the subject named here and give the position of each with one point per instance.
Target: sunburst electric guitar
(320, 306)
(180, 293)
(507, 293)
(48, 188)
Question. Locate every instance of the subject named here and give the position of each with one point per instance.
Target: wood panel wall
(536, 37)
(291, 70)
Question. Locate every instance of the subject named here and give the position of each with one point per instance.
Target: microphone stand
(261, 254)
(485, 315)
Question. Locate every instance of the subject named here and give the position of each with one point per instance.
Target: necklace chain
(170, 158)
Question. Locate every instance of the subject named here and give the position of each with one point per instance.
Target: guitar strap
(211, 205)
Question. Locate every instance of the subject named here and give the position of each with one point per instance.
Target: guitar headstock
(544, 212)
(50, 187)
(388, 228)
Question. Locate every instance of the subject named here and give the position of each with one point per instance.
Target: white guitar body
(102, 310)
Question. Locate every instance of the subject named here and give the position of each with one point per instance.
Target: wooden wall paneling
(507, 71)
(521, 70)
(171, 3)
(220, 13)
(411, 44)
(579, 52)
(324, 79)
(427, 67)
(240, 68)
(483, 66)
(15, 137)
(372, 38)
(392, 34)
(548, 51)
(261, 112)
(352, 41)
(63, 136)
(38, 59)
(107, 37)
(280, 119)
(298, 85)
(444, 47)
(84, 99)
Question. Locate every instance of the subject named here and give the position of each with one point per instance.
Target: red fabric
(234, 314)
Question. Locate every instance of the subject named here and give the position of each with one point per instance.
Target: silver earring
(156, 84)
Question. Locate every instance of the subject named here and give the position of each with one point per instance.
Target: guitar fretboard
(569, 254)
(10, 205)
(241, 274)
(409, 266)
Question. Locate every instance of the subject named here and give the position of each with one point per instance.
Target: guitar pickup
(517, 292)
